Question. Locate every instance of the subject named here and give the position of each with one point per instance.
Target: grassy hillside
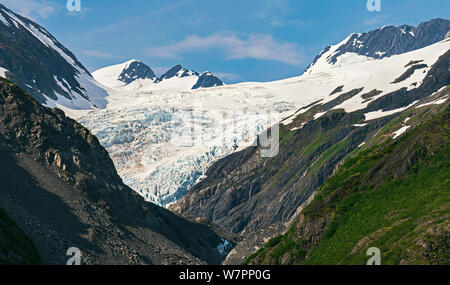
(395, 195)
(258, 198)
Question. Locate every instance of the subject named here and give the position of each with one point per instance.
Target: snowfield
(140, 127)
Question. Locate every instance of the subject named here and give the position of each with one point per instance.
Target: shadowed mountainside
(60, 186)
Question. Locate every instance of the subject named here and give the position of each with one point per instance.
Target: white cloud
(280, 13)
(257, 46)
(370, 22)
(297, 24)
(160, 70)
(33, 9)
(168, 8)
(96, 53)
(269, 9)
(226, 75)
(375, 20)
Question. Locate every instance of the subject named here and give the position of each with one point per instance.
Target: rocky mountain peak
(388, 40)
(121, 75)
(177, 71)
(207, 79)
(135, 69)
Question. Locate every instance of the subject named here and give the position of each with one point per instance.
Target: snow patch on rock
(400, 131)
(3, 72)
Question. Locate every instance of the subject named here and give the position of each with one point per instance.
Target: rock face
(136, 70)
(177, 71)
(390, 40)
(60, 186)
(134, 74)
(43, 67)
(254, 196)
(207, 79)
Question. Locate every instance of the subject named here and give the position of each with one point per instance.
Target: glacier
(140, 131)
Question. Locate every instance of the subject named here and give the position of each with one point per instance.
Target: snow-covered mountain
(178, 74)
(32, 58)
(132, 74)
(135, 75)
(138, 125)
(178, 78)
(207, 79)
(136, 70)
(387, 41)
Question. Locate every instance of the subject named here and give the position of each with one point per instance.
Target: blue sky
(240, 40)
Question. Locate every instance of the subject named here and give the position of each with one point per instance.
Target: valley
(183, 169)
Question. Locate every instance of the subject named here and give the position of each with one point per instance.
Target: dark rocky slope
(177, 71)
(205, 80)
(390, 40)
(60, 186)
(136, 70)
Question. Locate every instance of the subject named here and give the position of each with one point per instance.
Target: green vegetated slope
(15, 246)
(394, 195)
(258, 197)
